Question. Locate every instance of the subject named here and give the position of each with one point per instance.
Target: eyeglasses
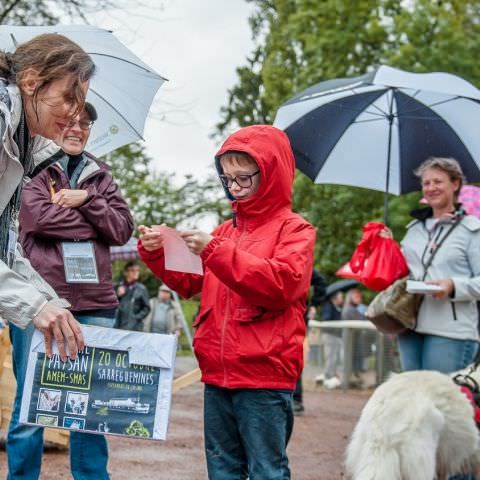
(83, 124)
(243, 181)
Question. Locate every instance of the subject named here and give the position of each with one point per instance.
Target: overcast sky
(196, 44)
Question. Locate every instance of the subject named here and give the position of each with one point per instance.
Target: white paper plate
(414, 286)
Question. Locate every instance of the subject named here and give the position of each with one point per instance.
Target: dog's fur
(416, 426)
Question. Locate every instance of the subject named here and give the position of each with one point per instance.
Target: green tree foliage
(45, 12)
(301, 42)
(245, 105)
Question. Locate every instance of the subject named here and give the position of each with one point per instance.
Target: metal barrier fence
(364, 349)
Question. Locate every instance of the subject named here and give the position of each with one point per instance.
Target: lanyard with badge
(435, 242)
(79, 262)
(78, 257)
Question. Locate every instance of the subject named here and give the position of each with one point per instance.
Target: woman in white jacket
(42, 87)
(446, 335)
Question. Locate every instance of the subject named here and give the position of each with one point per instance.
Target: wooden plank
(4, 347)
(186, 380)
(58, 437)
(7, 381)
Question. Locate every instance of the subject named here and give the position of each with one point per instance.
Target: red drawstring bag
(377, 261)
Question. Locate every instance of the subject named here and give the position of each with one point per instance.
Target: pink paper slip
(177, 256)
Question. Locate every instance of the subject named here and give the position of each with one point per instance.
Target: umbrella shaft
(389, 157)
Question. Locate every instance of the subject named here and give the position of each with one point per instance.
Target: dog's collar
(469, 387)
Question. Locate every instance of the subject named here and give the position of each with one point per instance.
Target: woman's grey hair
(448, 165)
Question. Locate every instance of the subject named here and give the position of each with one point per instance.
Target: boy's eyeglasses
(243, 181)
(84, 124)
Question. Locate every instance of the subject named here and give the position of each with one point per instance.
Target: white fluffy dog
(416, 426)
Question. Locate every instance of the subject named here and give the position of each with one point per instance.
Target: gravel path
(315, 450)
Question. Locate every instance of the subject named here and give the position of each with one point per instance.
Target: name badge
(80, 263)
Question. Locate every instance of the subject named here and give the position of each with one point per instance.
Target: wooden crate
(8, 387)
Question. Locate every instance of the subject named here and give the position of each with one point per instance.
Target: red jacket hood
(271, 149)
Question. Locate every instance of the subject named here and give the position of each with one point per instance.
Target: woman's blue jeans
(246, 433)
(432, 352)
(88, 452)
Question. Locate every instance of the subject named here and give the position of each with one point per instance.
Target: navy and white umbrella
(372, 131)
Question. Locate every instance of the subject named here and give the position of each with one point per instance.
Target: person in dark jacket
(134, 300)
(332, 340)
(354, 309)
(71, 213)
(76, 201)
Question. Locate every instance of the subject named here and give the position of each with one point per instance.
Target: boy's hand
(70, 198)
(196, 240)
(151, 240)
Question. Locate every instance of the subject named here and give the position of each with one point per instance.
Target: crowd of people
(61, 211)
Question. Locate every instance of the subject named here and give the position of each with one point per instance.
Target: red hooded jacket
(250, 328)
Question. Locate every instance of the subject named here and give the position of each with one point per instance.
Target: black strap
(467, 381)
(427, 265)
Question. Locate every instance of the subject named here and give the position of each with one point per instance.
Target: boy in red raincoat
(250, 328)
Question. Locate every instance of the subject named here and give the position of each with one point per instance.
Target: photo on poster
(74, 423)
(47, 420)
(125, 404)
(76, 403)
(49, 400)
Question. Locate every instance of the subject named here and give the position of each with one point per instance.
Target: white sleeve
(23, 292)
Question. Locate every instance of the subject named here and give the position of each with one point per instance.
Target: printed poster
(120, 384)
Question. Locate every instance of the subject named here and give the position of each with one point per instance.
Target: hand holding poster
(119, 384)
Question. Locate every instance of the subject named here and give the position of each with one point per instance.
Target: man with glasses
(71, 213)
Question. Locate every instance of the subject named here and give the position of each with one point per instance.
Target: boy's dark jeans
(246, 433)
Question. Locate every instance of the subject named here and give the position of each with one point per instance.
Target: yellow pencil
(51, 186)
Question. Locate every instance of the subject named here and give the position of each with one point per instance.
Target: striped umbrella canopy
(372, 131)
